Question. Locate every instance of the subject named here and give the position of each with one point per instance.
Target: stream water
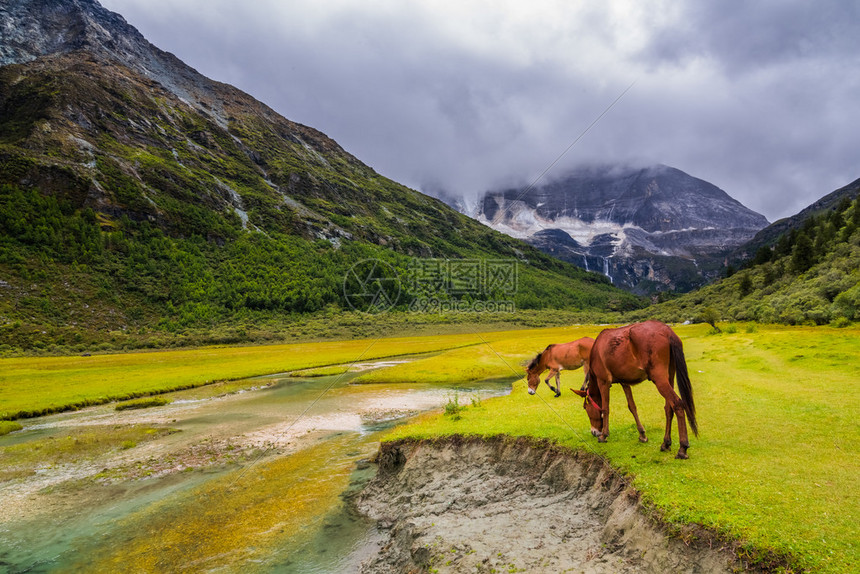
(252, 481)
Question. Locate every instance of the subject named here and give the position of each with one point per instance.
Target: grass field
(777, 459)
(775, 465)
(30, 386)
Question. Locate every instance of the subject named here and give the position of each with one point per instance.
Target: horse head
(533, 373)
(592, 407)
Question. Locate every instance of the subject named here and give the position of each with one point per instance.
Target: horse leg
(678, 407)
(585, 382)
(604, 401)
(628, 392)
(667, 436)
(553, 372)
(675, 405)
(557, 383)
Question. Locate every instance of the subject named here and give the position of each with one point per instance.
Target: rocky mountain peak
(637, 225)
(36, 28)
(31, 29)
(656, 198)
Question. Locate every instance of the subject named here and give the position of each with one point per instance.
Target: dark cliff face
(628, 223)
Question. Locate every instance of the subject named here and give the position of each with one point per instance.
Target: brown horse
(629, 355)
(557, 357)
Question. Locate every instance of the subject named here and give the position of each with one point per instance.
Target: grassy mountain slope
(124, 208)
(810, 275)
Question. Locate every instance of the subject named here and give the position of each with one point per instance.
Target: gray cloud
(758, 98)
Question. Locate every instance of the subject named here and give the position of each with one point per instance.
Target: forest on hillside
(809, 275)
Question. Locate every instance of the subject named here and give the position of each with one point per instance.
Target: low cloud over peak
(757, 98)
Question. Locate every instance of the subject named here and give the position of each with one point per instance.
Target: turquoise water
(85, 518)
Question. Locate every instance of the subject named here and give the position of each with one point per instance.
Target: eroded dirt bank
(505, 505)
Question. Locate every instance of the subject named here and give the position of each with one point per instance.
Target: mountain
(138, 196)
(648, 229)
(807, 272)
(768, 236)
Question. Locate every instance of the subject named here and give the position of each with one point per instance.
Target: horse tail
(684, 386)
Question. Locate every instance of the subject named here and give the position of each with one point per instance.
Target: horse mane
(536, 360)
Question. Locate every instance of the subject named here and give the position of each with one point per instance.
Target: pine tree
(763, 255)
(745, 285)
(784, 243)
(802, 254)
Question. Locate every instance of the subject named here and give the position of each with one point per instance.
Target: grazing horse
(628, 393)
(557, 357)
(629, 355)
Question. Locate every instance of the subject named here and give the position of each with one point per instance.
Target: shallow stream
(251, 481)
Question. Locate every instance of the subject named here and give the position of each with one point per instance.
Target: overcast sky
(760, 98)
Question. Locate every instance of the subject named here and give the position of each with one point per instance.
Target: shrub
(765, 313)
(847, 303)
(710, 316)
(452, 407)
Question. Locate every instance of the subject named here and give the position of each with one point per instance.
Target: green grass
(33, 386)
(497, 355)
(143, 403)
(9, 426)
(321, 371)
(777, 460)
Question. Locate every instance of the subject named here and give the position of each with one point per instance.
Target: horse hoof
(681, 455)
(557, 395)
(601, 439)
(643, 439)
(664, 447)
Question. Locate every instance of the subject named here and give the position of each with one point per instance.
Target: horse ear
(580, 393)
